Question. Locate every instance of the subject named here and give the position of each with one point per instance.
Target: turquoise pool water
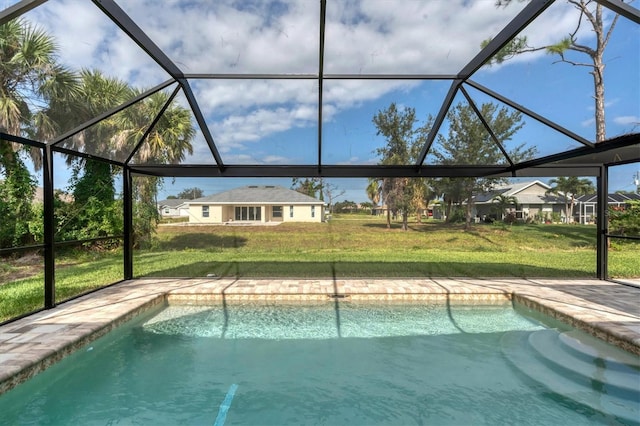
(337, 363)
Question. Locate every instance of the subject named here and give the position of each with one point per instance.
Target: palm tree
(96, 94)
(374, 191)
(168, 142)
(570, 188)
(32, 84)
(120, 135)
(503, 202)
(423, 193)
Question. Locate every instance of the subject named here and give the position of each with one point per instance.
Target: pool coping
(609, 311)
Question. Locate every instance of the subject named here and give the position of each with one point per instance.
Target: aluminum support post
(602, 223)
(49, 229)
(128, 222)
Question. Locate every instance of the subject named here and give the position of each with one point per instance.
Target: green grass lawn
(347, 246)
(363, 246)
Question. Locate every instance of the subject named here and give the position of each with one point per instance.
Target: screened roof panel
(411, 37)
(118, 135)
(293, 147)
(172, 131)
(534, 135)
(108, 67)
(200, 153)
(563, 91)
(218, 37)
(261, 121)
(463, 139)
(86, 38)
(349, 132)
(176, 137)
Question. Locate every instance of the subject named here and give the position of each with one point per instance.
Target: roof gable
(532, 192)
(516, 188)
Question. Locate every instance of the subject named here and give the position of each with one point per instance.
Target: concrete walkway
(607, 310)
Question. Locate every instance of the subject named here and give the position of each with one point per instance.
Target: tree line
(40, 99)
(467, 142)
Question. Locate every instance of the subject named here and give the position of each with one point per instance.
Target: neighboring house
(176, 207)
(532, 200)
(256, 204)
(379, 210)
(586, 206)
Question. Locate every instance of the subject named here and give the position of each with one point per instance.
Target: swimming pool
(335, 363)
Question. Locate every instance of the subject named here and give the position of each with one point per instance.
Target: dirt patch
(25, 266)
(29, 259)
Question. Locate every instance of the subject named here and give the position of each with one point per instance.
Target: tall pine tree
(468, 142)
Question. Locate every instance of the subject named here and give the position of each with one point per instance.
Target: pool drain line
(226, 404)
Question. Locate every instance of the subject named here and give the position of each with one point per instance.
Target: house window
(313, 211)
(247, 213)
(205, 211)
(290, 211)
(254, 213)
(277, 211)
(241, 213)
(166, 211)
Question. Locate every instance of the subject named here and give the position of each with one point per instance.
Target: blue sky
(275, 121)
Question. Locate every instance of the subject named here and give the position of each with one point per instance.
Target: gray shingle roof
(174, 202)
(255, 194)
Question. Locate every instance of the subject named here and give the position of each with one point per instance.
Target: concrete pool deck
(604, 309)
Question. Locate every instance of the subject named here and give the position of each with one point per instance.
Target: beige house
(256, 204)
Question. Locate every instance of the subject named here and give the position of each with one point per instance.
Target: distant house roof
(172, 203)
(258, 194)
(612, 198)
(516, 188)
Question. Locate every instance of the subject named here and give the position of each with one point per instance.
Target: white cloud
(350, 161)
(235, 158)
(259, 123)
(88, 39)
(275, 159)
(627, 119)
(227, 96)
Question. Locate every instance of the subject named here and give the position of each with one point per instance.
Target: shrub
(625, 220)
(457, 216)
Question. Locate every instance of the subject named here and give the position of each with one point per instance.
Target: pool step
(598, 377)
(599, 371)
(588, 347)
